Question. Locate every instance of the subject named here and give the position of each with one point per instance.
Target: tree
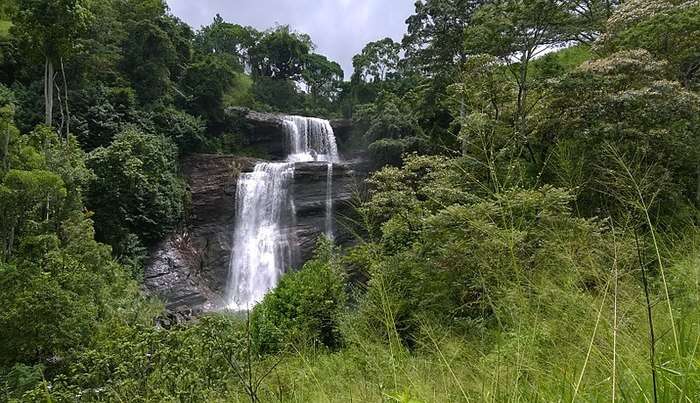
(390, 129)
(206, 82)
(628, 101)
(517, 31)
(589, 18)
(280, 53)
(305, 308)
(100, 113)
(223, 38)
(41, 182)
(186, 131)
(155, 52)
(68, 285)
(322, 77)
(434, 42)
(49, 28)
(377, 60)
(480, 102)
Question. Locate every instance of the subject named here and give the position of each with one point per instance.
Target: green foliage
(64, 286)
(377, 60)
(183, 129)
(136, 189)
(158, 364)
(280, 53)
(8, 9)
(58, 283)
(49, 28)
(323, 78)
(279, 95)
(434, 40)
(240, 94)
(670, 30)
(100, 113)
(449, 256)
(154, 53)
(305, 308)
(626, 100)
(558, 63)
(5, 27)
(207, 82)
(221, 37)
(527, 213)
(390, 129)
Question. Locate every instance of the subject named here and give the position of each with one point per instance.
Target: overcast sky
(339, 28)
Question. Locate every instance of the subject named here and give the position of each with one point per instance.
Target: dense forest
(529, 231)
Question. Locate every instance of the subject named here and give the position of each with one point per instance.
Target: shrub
(305, 308)
(136, 189)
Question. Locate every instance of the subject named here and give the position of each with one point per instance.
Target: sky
(339, 28)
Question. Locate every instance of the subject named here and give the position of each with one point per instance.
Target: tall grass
(565, 344)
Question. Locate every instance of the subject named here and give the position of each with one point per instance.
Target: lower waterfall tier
(189, 271)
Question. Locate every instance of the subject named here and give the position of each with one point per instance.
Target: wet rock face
(189, 271)
(309, 190)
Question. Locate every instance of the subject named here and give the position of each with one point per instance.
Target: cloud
(339, 28)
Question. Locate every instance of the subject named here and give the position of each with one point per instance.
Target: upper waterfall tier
(267, 133)
(310, 139)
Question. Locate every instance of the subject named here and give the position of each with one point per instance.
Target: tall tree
(206, 82)
(48, 29)
(280, 54)
(322, 77)
(155, 52)
(223, 38)
(377, 60)
(517, 31)
(435, 37)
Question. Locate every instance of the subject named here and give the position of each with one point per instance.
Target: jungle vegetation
(529, 231)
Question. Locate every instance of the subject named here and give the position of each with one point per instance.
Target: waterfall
(310, 139)
(263, 248)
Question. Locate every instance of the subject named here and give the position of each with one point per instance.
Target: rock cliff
(190, 269)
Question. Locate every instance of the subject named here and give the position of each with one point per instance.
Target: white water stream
(262, 248)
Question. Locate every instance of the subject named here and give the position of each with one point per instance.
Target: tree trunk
(65, 89)
(523, 88)
(5, 149)
(48, 91)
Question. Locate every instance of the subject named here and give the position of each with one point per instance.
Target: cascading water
(262, 245)
(310, 139)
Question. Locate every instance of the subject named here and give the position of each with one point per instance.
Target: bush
(136, 189)
(305, 308)
(185, 130)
